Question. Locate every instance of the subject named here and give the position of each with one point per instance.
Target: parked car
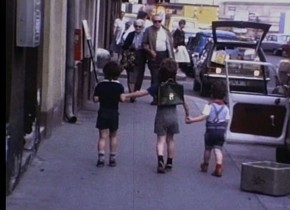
(261, 117)
(273, 43)
(198, 41)
(211, 64)
(285, 50)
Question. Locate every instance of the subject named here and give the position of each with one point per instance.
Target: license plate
(238, 83)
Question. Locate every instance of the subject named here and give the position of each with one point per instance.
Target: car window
(225, 34)
(264, 77)
(221, 53)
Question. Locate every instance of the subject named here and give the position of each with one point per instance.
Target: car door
(258, 118)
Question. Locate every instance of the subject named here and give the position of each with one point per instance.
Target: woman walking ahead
(133, 42)
(166, 118)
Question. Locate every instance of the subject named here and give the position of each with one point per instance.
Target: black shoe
(204, 167)
(112, 163)
(161, 170)
(100, 163)
(168, 167)
(154, 103)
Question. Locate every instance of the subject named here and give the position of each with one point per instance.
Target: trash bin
(266, 177)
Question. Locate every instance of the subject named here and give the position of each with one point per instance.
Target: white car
(273, 43)
(261, 118)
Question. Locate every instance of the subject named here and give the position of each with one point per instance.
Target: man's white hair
(139, 22)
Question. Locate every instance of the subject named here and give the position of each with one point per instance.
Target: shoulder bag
(170, 93)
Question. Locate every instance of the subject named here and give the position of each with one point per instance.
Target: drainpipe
(70, 64)
(97, 25)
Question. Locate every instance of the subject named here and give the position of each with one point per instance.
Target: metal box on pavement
(266, 177)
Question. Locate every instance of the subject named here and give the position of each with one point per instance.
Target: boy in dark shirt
(108, 93)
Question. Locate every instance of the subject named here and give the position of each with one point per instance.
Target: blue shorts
(214, 138)
(108, 119)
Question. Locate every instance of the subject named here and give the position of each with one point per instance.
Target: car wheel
(275, 52)
(284, 53)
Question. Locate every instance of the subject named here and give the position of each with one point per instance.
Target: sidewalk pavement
(63, 175)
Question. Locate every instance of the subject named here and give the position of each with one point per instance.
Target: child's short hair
(168, 70)
(112, 70)
(182, 21)
(219, 90)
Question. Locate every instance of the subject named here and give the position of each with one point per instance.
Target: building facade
(267, 12)
(48, 70)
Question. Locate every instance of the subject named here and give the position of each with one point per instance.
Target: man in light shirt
(158, 44)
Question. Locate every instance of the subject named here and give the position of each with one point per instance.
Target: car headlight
(218, 70)
(256, 73)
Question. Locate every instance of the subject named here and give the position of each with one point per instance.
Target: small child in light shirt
(216, 115)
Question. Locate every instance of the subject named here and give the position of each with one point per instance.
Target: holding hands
(188, 119)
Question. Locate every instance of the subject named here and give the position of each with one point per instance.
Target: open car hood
(247, 32)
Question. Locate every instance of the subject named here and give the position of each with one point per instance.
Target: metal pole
(70, 63)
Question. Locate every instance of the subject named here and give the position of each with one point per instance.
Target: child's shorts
(108, 119)
(166, 121)
(214, 138)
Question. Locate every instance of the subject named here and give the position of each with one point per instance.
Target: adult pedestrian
(158, 44)
(118, 30)
(180, 51)
(141, 15)
(134, 42)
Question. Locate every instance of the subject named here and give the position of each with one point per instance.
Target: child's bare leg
(170, 150)
(113, 141)
(206, 158)
(206, 155)
(103, 135)
(218, 155)
(160, 153)
(113, 147)
(170, 146)
(219, 160)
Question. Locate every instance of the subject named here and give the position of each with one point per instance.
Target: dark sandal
(204, 167)
(112, 163)
(160, 170)
(100, 163)
(168, 167)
